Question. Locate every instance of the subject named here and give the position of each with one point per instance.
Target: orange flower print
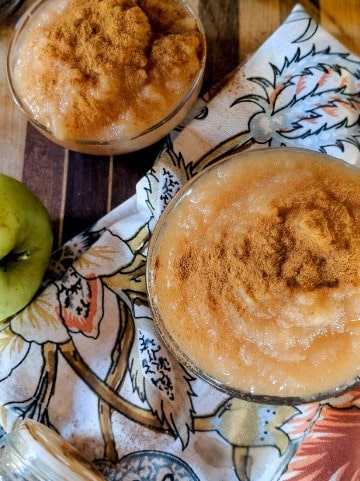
(331, 451)
(81, 303)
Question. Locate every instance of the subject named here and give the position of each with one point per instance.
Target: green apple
(26, 240)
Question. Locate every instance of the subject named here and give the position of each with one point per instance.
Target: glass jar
(34, 452)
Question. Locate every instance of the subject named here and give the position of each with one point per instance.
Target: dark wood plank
(86, 198)
(221, 25)
(258, 20)
(43, 173)
(128, 170)
(311, 6)
(341, 19)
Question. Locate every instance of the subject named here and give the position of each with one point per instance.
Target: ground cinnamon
(256, 276)
(307, 241)
(111, 61)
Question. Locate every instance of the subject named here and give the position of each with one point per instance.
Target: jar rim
(42, 444)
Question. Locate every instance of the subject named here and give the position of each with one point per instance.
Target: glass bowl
(86, 99)
(253, 275)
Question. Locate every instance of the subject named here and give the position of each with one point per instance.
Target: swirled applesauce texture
(101, 70)
(255, 273)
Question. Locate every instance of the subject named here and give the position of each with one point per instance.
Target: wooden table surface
(78, 189)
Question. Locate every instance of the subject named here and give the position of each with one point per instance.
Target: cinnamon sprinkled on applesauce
(264, 276)
(306, 242)
(91, 69)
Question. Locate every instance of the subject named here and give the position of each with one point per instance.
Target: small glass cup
(37, 453)
(121, 143)
(162, 252)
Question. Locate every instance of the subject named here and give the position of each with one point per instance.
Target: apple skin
(26, 241)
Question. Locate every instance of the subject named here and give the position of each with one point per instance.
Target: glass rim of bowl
(27, 16)
(169, 341)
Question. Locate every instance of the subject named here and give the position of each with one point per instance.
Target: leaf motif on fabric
(246, 424)
(105, 258)
(147, 191)
(9, 421)
(163, 182)
(40, 321)
(331, 450)
(161, 381)
(347, 400)
(129, 281)
(13, 350)
(176, 162)
(139, 240)
(330, 112)
(81, 302)
(309, 95)
(169, 185)
(301, 422)
(81, 243)
(66, 255)
(36, 404)
(204, 112)
(310, 25)
(60, 261)
(311, 101)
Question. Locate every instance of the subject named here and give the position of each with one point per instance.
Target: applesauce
(254, 274)
(107, 76)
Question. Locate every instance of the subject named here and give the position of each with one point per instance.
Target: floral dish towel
(85, 358)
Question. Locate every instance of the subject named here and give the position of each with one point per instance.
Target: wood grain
(258, 20)
(128, 170)
(12, 123)
(221, 24)
(342, 19)
(44, 172)
(86, 192)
